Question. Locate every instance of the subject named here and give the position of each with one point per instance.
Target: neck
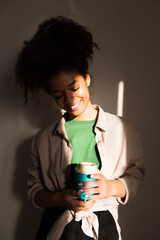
(90, 113)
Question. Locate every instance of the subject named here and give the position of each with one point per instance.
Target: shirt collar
(60, 126)
(101, 123)
(101, 120)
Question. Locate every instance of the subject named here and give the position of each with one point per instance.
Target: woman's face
(70, 91)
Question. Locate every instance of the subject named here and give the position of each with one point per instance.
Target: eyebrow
(70, 84)
(74, 81)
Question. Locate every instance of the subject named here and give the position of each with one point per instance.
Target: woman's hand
(103, 188)
(67, 199)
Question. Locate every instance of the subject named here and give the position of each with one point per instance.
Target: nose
(69, 96)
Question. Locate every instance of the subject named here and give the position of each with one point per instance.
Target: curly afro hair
(60, 44)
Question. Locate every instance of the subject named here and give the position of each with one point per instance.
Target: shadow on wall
(11, 96)
(21, 121)
(29, 217)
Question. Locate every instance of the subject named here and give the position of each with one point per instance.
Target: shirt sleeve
(134, 174)
(35, 182)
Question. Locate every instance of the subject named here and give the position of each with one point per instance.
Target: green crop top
(82, 138)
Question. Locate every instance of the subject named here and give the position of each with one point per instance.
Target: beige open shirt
(120, 153)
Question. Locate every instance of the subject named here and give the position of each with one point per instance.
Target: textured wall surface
(128, 35)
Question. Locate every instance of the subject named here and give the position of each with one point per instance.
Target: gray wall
(128, 34)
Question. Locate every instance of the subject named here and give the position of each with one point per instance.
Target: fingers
(98, 188)
(69, 201)
(74, 193)
(89, 184)
(83, 205)
(93, 190)
(89, 190)
(99, 178)
(96, 176)
(75, 204)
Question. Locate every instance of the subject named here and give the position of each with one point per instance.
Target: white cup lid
(87, 168)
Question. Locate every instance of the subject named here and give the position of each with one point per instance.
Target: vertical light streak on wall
(120, 98)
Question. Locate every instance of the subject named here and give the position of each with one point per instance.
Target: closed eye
(58, 97)
(75, 89)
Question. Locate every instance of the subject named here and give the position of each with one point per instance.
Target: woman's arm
(65, 199)
(46, 199)
(128, 184)
(43, 198)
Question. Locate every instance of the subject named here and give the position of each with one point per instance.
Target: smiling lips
(74, 107)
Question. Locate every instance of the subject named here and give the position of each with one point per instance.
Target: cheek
(83, 92)
(80, 92)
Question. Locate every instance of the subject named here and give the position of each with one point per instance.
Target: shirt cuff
(31, 196)
(126, 198)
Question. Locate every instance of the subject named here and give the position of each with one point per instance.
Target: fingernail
(86, 196)
(80, 184)
(91, 176)
(80, 190)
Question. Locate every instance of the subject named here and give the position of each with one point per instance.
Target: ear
(88, 80)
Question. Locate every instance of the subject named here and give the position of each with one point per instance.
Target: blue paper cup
(83, 172)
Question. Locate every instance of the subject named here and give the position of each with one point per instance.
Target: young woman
(56, 60)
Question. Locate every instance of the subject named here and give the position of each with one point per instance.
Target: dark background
(128, 33)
